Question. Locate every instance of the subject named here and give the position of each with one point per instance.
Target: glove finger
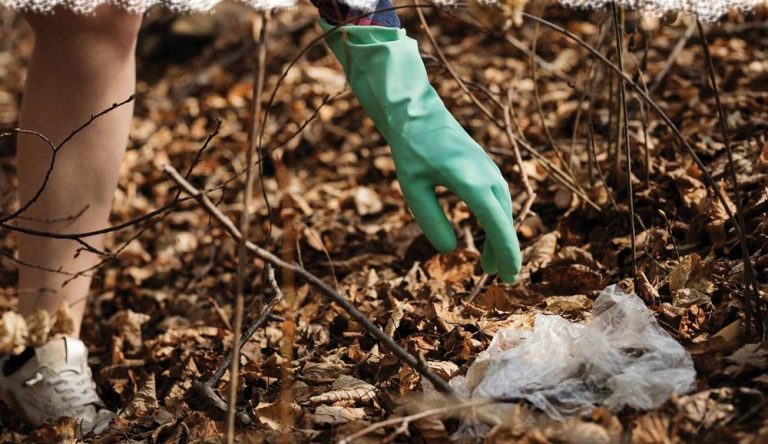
(499, 232)
(428, 213)
(505, 199)
(488, 259)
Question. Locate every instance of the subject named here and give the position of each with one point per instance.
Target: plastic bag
(622, 358)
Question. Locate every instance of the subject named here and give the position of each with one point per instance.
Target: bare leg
(80, 66)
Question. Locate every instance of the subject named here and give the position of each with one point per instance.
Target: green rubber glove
(429, 146)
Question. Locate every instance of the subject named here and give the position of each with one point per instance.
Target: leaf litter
(158, 319)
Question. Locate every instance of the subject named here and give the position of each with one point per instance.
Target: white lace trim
(141, 6)
(708, 10)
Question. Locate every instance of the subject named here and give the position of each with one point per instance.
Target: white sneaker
(55, 381)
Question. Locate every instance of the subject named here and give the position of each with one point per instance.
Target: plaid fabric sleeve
(336, 12)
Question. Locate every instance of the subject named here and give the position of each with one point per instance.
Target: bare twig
(245, 223)
(207, 389)
(593, 155)
(625, 116)
(539, 108)
(478, 287)
(565, 177)
(450, 69)
(259, 322)
(54, 151)
(657, 82)
(545, 65)
(316, 282)
(519, 159)
(656, 108)
(752, 296)
(588, 94)
(404, 422)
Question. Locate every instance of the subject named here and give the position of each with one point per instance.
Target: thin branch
(519, 159)
(539, 108)
(54, 151)
(245, 224)
(753, 296)
(566, 178)
(545, 65)
(316, 282)
(404, 421)
(657, 82)
(642, 94)
(450, 69)
(258, 323)
(625, 116)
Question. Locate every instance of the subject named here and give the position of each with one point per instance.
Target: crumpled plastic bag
(621, 358)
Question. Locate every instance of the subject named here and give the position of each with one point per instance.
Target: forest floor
(159, 317)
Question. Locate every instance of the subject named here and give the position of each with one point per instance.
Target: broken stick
(315, 281)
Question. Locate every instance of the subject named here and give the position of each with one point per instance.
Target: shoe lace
(76, 389)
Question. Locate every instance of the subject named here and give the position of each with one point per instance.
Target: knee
(109, 26)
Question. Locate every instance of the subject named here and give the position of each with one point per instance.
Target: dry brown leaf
(367, 201)
(494, 298)
(38, 328)
(398, 311)
(716, 406)
(540, 253)
(447, 315)
(568, 304)
(134, 253)
(63, 323)
(327, 415)
(531, 227)
(652, 428)
(409, 379)
(718, 216)
(580, 432)
(686, 297)
(750, 357)
(444, 369)
(61, 431)
(498, 15)
(144, 402)
(432, 430)
(269, 414)
(453, 268)
(563, 198)
(678, 277)
(127, 324)
(576, 255)
(690, 282)
(13, 333)
(313, 239)
(645, 289)
(346, 388)
(691, 272)
(572, 278)
(322, 372)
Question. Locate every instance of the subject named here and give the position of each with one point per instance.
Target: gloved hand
(429, 146)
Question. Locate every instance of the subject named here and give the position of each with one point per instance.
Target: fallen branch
(266, 315)
(315, 281)
(404, 421)
(207, 389)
